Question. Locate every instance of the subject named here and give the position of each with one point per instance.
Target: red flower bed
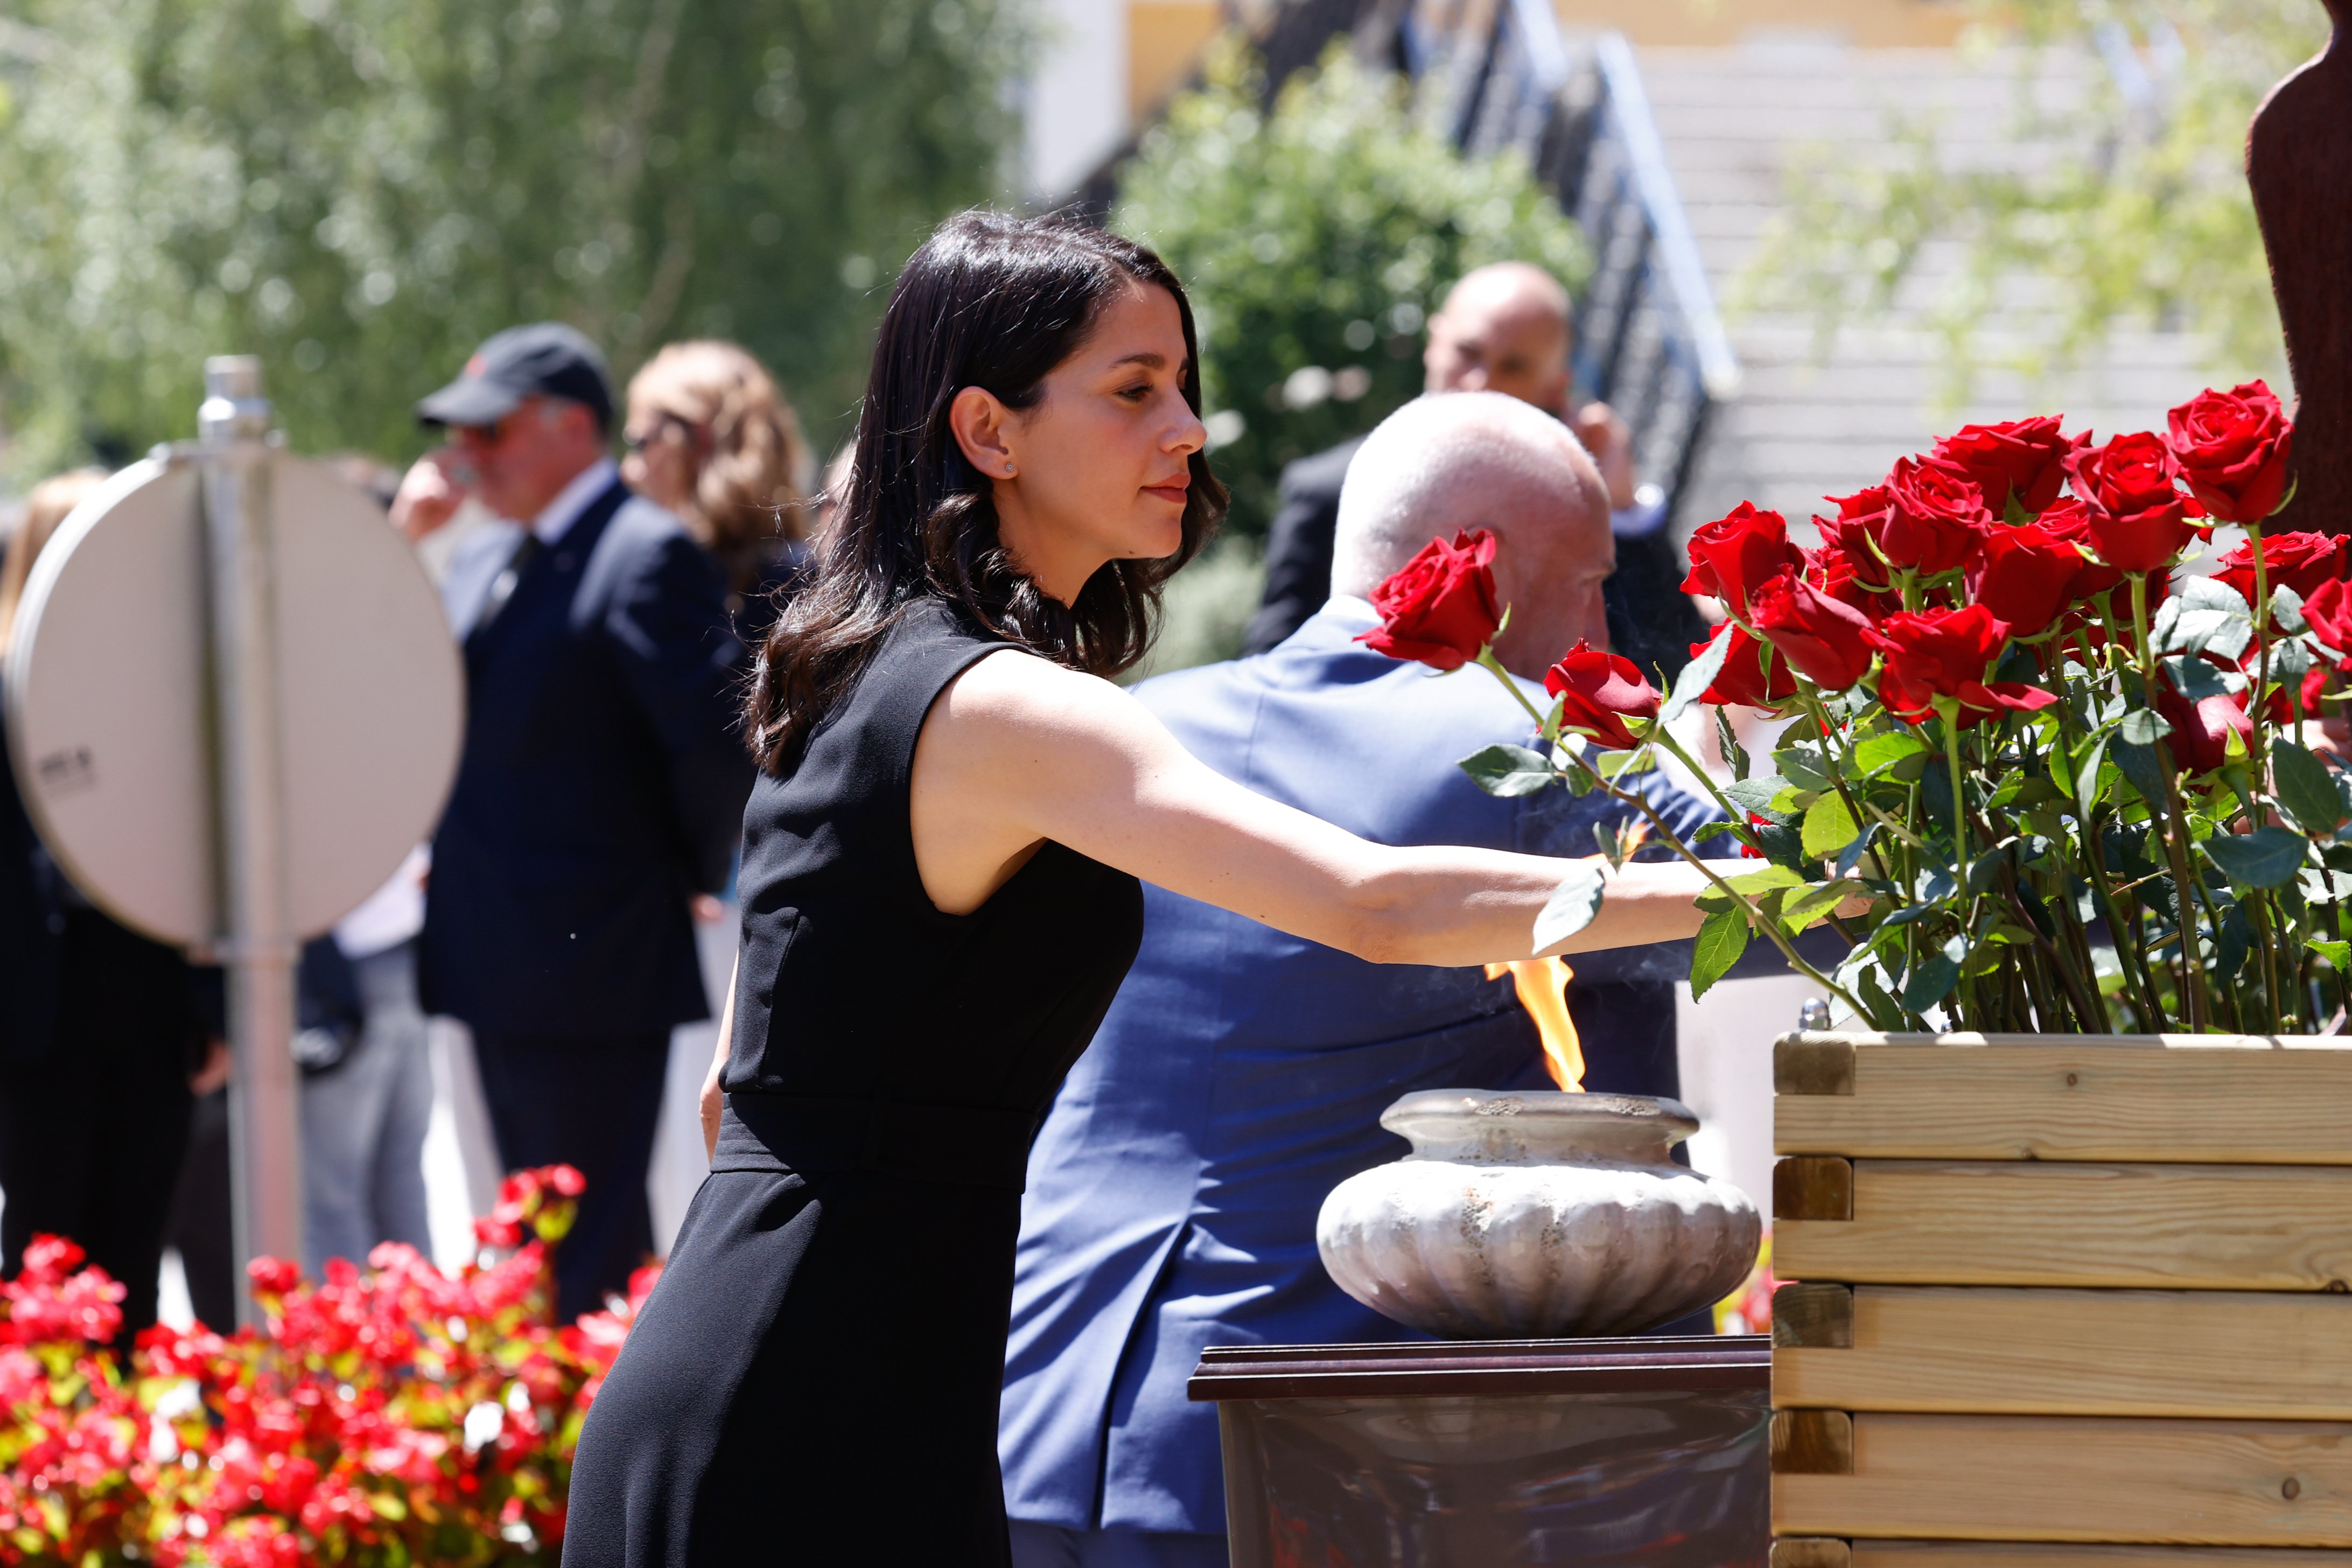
(393, 1417)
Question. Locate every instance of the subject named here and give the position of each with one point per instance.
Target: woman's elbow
(1378, 928)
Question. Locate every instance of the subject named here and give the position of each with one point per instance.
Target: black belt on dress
(963, 1145)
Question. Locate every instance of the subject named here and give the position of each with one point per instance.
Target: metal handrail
(1663, 206)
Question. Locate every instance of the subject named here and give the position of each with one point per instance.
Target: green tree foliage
(2139, 213)
(361, 190)
(1315, 241)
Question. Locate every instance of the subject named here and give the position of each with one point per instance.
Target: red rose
(2232, 449)
(1731, 555)
(1598, 692)
(2299, 560)
(1935, 521)
(1439, 607)
(2328, 611)
(2138, 521)
(2027, 577)
(1825, 639)
(2201, 735)
(1742, 682)
(2068, 519)
(1832, 570)
(2024, 459)
(1945, 653)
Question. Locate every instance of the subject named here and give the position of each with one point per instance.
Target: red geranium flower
(1946, 653)
(2232, 449)
(1598, 692)
(1439, 607)
(2024, 458)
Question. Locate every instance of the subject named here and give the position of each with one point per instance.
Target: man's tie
(502, 586)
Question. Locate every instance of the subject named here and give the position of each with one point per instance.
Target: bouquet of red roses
(2069, 781)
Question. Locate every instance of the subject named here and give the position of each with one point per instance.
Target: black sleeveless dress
(815, 1380)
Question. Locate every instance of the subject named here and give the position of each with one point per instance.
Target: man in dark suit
(1504, 329)
(602, 786)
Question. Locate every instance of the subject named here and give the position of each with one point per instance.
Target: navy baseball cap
(546, 359)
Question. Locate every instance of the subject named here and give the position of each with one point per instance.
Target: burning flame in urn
(1542, 985)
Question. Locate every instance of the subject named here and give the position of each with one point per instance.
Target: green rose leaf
(1571, 907)
(1829, 827)
(2139, 767)
(2307, 788)
(2086, 775)
(1930, 982)
(1799, 910)
(1697, 675)
(2143, 727)
(2337, 954)
(2286, 610)
(1756, 794)
(1721, 939)
(2264, 858)
(1506, 771)
(1880, 753)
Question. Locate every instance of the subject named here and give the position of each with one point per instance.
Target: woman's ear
(982, 426)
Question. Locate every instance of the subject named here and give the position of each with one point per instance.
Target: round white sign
(109, 693)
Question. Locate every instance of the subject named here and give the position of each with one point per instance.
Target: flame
(1542, 985)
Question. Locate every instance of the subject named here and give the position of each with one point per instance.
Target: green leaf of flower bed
(2307, 788)
(1571, 907)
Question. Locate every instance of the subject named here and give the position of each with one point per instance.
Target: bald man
(1241, 1073)
(1504, 328)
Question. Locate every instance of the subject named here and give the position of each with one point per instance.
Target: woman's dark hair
(995, 302)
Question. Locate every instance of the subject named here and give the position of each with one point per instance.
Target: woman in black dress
(940, 898)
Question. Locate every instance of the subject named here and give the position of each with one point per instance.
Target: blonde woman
(712, 441)
(100, 1029)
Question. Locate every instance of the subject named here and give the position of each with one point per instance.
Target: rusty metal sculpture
(2299, 162)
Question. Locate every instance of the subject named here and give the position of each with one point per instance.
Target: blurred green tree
(1315, 240)
(361, 190)
(2132, 210)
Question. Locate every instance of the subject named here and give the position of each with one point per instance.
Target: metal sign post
(265, 1113)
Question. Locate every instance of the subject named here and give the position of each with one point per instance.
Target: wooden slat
(1809, 1552)
(2027, 1478)
(1812, 1443)
(2043, 1554)
(2233, 1099)
(2264, 1356)
(1804, 1188)
(2208, 1228)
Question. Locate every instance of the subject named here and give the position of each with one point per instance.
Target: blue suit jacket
(601, 784)
(1240, 1074)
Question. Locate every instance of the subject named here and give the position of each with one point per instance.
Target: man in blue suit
(1240, 1074)
(601, 784)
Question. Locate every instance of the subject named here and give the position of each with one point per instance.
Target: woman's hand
(1018, 751)
(714, 1097)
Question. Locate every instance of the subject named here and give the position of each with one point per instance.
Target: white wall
(1074, 102)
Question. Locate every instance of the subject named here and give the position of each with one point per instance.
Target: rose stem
(2175, 827)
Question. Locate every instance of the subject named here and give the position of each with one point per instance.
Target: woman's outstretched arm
(1018, 751)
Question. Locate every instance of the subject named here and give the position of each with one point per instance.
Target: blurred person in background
(712, 442)
(105, 1036)
(601, 788)
(1505, 328)
(1240, 1073)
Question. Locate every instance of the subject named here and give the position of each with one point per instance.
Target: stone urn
(1537, 1215)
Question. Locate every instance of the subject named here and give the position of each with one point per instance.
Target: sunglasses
(654, 434)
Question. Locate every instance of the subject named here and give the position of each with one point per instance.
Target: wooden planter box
(2087, 1297)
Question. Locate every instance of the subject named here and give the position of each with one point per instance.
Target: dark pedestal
(1496, 1454)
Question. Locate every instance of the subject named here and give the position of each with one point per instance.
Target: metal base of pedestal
(1502, 1455)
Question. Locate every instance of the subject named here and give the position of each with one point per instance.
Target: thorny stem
(2175, 827)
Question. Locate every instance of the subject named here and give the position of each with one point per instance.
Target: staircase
(1805, 426)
